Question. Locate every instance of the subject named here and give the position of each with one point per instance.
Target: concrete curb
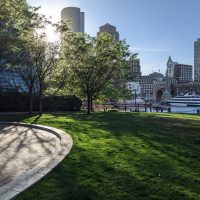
(14, 188)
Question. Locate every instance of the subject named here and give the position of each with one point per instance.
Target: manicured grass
(121, 156)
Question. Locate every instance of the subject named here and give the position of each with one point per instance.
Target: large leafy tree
(18, 25)
(44, 62)
(14, 22)
(113, 94)
(40, 68)
(93, 61)
(24, 67)
(17, 22)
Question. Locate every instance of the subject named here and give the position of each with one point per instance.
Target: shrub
(62, 103)
(12, 101)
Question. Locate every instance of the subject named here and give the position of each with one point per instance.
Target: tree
(111, 93)
(18, 23)
(94, 61)
(45, 59)
(15, 17)
(40, 69)
(26, 69)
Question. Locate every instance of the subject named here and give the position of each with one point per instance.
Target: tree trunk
(31, 102)
(40, 104)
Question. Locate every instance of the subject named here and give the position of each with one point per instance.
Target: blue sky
(156, 29)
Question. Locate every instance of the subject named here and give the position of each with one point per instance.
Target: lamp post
(150, 106)
(145, 103)
(135, 100)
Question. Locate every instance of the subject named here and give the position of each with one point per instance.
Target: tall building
(170, 68)
(76, 16)
(108, 28)
(197, 60)
(135, 70)
(133, 87)
(146, 84)
(183, 73)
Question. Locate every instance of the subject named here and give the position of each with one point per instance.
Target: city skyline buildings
(135, 70)
(108, 28)
(77, 17)
(170, 68)
(197, 60)
(183, 73)
(155, 29)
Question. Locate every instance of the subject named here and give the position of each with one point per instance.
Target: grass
(122, 156)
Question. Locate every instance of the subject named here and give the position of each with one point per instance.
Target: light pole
(150, 106)
(145, 103)
(135, 100)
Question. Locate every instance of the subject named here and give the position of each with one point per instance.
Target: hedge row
(19, 102)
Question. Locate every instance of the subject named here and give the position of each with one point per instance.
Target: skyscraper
(134, 70)
(170, 68)
(108, 28)
(183, 73)
(197, 60)
(76, 16)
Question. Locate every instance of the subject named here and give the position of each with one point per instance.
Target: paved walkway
(23, 149)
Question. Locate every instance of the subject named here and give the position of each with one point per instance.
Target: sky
(155, 29)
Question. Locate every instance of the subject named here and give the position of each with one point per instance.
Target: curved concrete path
(27, 153)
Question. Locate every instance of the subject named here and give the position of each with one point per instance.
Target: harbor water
(174, 109)
(178, 109)
(186, 109)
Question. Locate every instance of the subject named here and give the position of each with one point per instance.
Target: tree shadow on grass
(15, 117)
(123, 156)
(86, 175)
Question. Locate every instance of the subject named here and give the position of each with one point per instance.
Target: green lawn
(123, 156)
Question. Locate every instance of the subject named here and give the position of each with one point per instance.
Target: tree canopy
(93, 65)
(93, 61)
(14, 21)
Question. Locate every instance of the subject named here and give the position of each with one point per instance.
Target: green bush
(12, 101)
(62, 103)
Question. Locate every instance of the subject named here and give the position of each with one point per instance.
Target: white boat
(189, 99)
